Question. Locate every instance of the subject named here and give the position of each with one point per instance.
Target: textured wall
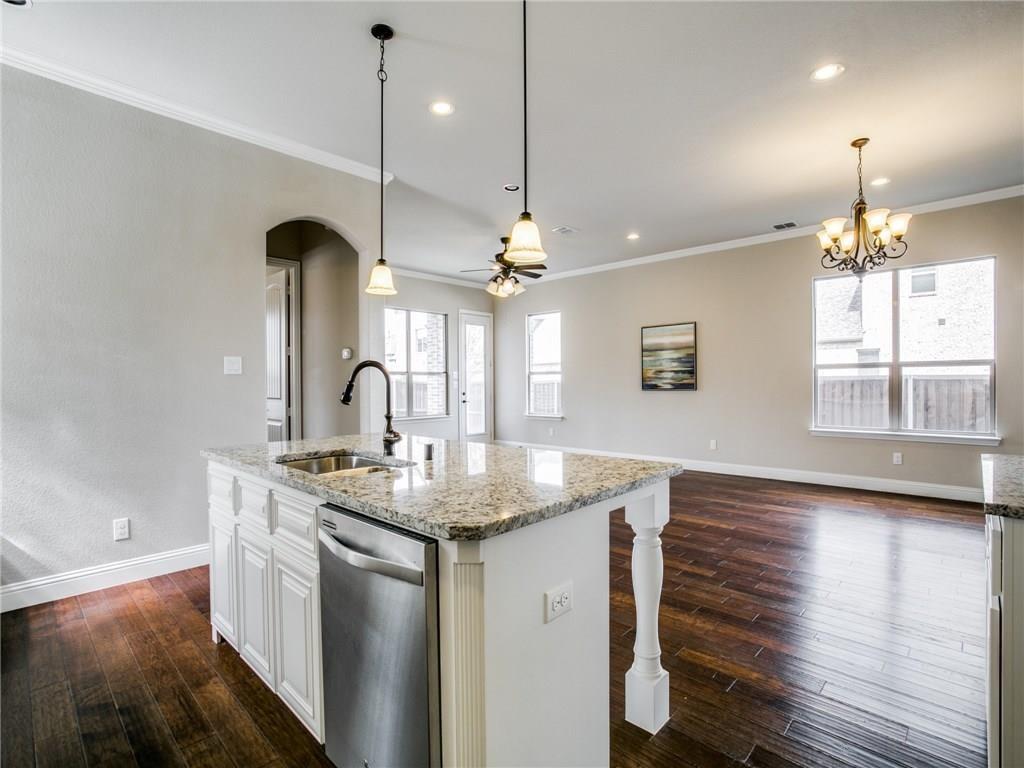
(133, 261)
(753, 311)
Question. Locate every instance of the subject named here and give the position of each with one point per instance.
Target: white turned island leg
(646, 681)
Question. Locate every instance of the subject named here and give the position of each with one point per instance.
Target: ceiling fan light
(899, 223)
(834, 227)
(876, 219)
(494, 288)
(825, 240)
(381, 282)
(520, 288)
(524, 246)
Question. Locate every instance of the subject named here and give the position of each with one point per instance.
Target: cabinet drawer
(221, 489)
(252, 504)
(294, 521)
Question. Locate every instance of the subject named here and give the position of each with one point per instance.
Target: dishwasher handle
(369, 563)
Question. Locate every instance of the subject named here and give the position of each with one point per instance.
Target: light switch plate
(557, 601)
(232, 366)
(897, 457)
(122, 529)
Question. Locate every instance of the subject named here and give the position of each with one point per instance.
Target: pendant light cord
(382, 75)
(526, 185)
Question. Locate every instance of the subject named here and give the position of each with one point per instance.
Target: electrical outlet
(713, 445)
(232, 366)
(557, 601)
(897, 457)
(122, 529)
(551, 431)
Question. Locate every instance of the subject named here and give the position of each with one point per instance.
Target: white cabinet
(297, 635)
(1005, 684)
(265, 585)
(223, 603)
(255, 634)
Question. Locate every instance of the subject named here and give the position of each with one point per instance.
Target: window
(907, 350)
(416, 356)
(544, 364)
(922, 282)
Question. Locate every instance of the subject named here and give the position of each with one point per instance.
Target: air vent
(784, 225)
(564, 230)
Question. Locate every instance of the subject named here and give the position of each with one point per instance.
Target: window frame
(896, 366)
(530, 374)
(410, 373)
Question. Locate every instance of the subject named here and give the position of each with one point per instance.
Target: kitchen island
(514, 526)
(1003, 485)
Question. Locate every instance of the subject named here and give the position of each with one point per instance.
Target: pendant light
(381, 282)
(525, 247)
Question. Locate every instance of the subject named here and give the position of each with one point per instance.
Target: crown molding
(111, 89)
(771, 237)
(402, 272)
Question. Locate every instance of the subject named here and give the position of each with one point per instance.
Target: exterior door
(476, 374)
(277, 354)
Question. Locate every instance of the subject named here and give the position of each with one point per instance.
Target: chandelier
(876, 235)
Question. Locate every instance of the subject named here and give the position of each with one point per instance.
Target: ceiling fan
(506, 274)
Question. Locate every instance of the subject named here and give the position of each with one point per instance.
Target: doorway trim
(294, 270)
(490, 407)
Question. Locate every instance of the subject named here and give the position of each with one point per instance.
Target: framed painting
(669, 356)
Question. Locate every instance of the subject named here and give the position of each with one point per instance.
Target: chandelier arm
(898, 248)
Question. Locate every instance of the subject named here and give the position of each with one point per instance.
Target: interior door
(476, 377)
(277, 354)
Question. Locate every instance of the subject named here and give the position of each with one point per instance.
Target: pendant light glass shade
(494, 288)
(525, 247)
(381, 283)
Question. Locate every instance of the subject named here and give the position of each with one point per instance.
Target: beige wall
(753, 313)
(329, 322)
(133, 261)
(434, 296)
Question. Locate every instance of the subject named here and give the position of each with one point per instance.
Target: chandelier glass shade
(875, 236)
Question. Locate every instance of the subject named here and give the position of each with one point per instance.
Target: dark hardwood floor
(801, 625)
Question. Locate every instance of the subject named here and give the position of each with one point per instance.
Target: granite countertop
(469, 491)
(1002, 476)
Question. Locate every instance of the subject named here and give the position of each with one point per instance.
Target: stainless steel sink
(354, 465)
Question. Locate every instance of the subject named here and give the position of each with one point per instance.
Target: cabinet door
(254, 619)
(222, 578)
(297, 638)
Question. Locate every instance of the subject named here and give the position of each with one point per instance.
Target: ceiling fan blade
(531, 266)
(524, 273)
(488, 269)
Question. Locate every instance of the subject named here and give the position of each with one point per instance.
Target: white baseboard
(883, 484)
(22, 594)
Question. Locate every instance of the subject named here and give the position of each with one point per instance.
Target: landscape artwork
(669, 355)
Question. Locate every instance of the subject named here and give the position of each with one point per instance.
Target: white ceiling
(690, 123)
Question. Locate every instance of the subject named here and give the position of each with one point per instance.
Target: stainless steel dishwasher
(378, 598)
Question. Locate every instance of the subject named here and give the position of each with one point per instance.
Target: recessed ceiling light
(881, 181)
(511, 187)
(633, 236)
(827, 72)
(442, 108)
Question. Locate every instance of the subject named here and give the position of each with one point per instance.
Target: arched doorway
(312, 330)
